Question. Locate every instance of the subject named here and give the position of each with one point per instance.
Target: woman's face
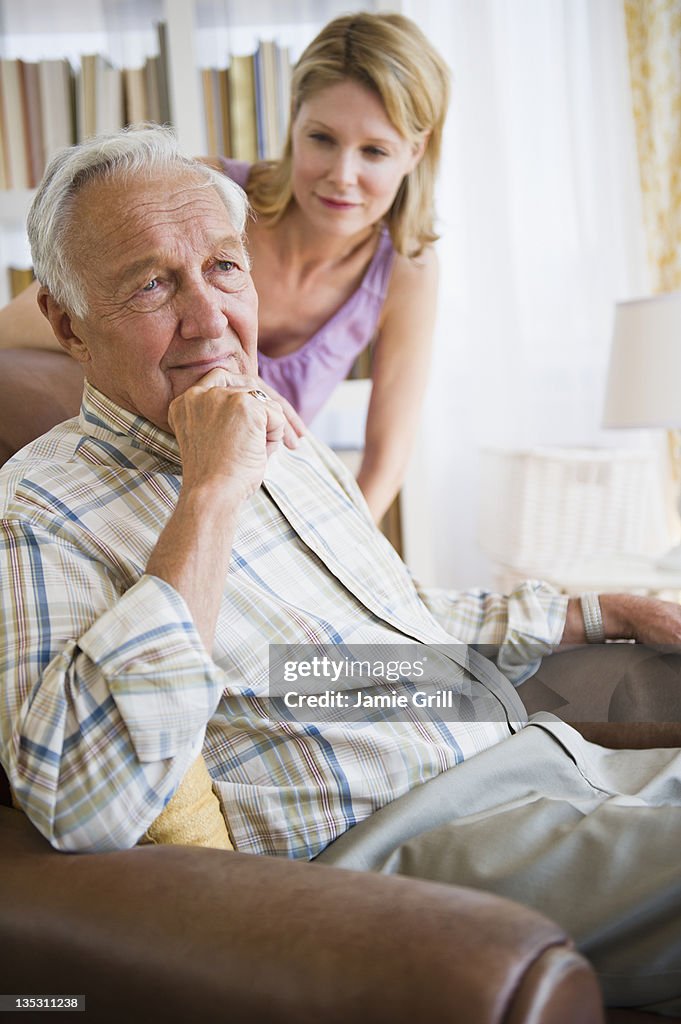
(348, 159)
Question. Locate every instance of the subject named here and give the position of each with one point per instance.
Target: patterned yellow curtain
(654, 37)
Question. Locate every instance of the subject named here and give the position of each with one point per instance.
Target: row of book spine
(46, 104)
(19, 279)
(247, 104)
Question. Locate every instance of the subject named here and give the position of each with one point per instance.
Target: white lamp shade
(644, 379)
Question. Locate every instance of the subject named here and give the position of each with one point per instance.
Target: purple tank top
(307, 376)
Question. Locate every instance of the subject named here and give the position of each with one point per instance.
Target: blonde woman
(342, 238)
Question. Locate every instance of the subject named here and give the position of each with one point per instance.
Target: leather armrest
(618, 695)
(177, 933)
(38, 389)
(631, 735)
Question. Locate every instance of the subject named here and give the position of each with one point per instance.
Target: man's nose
(201, 310)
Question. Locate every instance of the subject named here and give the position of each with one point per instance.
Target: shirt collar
(100, 416)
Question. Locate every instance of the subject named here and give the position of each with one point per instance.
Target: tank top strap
(377, 276)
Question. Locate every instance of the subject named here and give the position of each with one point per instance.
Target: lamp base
(671, 561)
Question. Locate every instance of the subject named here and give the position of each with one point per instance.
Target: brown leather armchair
(188, 934)
(185, 934)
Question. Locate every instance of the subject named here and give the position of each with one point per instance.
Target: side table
(628, 573)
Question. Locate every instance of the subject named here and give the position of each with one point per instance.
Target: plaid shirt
(109, 694)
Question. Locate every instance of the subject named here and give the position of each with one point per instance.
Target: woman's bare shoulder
(415, 268)
(412, 280)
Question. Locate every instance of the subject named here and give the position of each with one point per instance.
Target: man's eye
(151, 286)
(225, 265)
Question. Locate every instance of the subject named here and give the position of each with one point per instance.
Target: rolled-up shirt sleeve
(516, 630)
(107, 691)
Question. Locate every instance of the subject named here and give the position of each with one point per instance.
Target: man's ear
(62, 326)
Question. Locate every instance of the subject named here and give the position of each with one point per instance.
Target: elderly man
(153, 549)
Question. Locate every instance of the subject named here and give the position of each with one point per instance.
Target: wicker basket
(547, 507)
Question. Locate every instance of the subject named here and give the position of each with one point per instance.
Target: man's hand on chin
(293, 425)
(226, 429)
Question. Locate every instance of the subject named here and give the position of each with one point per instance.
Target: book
(243, 124)
(222, 145)
(109, 98)
(14, 121)
(85, 97)
(265, 62)
(209, 112)
(99, 95)
(4, 171)
(30, 73)
(19, 279)
(57, 99)
(223, 88)
(151, 74)
(135, 95)
(259, 102)
(164, 103)
(283, 91)
(215, 87)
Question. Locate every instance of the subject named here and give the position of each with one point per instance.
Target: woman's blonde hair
(388, 54)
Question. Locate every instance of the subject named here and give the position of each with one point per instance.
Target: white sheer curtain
(541, 226)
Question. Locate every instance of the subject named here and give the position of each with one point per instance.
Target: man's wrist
(616, 610)
(224, 495)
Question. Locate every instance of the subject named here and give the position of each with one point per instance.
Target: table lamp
(644, 378)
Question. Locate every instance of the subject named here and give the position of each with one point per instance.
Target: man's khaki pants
(588, 836)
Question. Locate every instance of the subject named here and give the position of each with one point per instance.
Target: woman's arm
(22, 325)
(400, 372)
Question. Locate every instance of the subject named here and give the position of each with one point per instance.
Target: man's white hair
(137, 152)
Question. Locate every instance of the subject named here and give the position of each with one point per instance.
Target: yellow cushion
(192, 817)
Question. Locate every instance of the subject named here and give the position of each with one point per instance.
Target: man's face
(168, 291)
